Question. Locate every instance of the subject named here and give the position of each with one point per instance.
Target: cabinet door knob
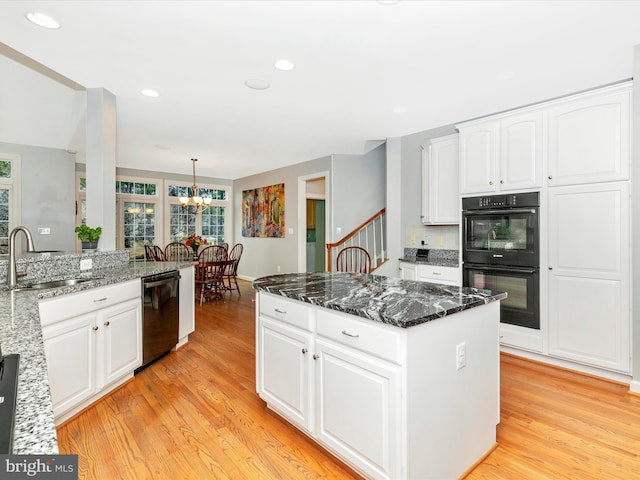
(315, 357)
(106, 324)
(550, 268)
(95, 328)
(501, 181)
(550, 177)
(304, 350)
(490, 183)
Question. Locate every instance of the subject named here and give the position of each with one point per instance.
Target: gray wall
(411, 175)
(262, 256)
(48, 194)
(358, 189)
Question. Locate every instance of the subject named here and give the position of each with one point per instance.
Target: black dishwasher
(160, 315)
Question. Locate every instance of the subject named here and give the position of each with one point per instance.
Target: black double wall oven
(501, 252)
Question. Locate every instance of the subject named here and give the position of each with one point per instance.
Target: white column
(101, 164)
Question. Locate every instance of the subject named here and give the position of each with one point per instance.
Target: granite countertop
(440, 258)
(401, 303)
(20, 332)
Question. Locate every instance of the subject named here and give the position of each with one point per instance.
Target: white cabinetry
(501, 154)
(438, 274)
(377, 396)
(589, 275)
(93, 343)
(187, 306)
(431, 273)
(440, 181)
(408, 271)
(589, 137)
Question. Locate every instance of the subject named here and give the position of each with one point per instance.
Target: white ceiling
(356, 61)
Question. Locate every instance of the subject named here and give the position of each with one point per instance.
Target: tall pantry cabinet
(576, 152)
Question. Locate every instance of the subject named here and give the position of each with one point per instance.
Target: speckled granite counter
(20, 332)
(440, 258)
(402, 303)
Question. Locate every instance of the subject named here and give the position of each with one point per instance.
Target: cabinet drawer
(366, 335)
(289, 311)
(437, 274)
(74, 304)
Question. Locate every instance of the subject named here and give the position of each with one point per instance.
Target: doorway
(313, 213)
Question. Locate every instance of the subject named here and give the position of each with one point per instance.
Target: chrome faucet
(12, 273)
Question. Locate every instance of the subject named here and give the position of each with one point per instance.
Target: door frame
(302, 213)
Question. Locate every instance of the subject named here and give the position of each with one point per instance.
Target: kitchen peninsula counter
(21, 333)
(398, 378)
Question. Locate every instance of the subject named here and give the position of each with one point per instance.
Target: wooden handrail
(350, 235)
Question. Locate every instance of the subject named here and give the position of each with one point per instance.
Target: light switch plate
(86, 264)
(44, 231)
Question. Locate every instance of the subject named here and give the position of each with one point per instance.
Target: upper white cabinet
(503, 153)
(440, 180)
(589, 138)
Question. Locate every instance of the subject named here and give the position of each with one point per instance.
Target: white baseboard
(634, 386)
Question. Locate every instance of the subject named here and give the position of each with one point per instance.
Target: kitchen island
(399, 379)
(21, 332)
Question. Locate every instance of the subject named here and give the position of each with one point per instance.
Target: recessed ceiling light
(257, 84)
(284, 64)
(387, 2)
(43, 20)
(400, 110)
(147, 92)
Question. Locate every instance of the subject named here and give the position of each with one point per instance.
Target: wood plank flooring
(195, 415)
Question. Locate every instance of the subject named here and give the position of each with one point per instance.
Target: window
(9, 198)
(208, 222)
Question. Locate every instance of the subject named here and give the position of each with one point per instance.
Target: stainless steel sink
(54, 284)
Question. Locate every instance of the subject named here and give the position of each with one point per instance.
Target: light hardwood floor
(195, 415)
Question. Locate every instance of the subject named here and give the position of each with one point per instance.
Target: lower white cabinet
(388, 401)
(187, 305)
(431, 273)
(92, 342)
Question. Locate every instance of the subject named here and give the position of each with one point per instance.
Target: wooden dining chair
(353, 260)
(158, 254)
(177, 252)
(209, 279)
(232, 271)
(212, 253)
(148, 253)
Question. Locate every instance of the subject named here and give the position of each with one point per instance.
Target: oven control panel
(530, 199)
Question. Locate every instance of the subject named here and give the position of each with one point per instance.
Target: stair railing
(370, 235)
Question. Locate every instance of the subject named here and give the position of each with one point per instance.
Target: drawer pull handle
(98, 300)
(436, 273)
(95, 328)
(304, 350)
(280, 311)
(315, 357)
(106, 324)
(354, 335)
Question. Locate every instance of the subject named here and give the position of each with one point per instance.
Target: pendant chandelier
(195, 199)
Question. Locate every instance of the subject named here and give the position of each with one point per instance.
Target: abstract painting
(263, 212)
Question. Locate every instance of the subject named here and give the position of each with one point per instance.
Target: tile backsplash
(445, 237)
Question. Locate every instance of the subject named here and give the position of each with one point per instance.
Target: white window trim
(14, 185)
(227, 204)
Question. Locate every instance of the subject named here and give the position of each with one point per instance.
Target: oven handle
(499, 212)
(530, 271)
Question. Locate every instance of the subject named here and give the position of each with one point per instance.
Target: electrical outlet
(86, 264)
(461, 355)
(278, 268)
(44, 231)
